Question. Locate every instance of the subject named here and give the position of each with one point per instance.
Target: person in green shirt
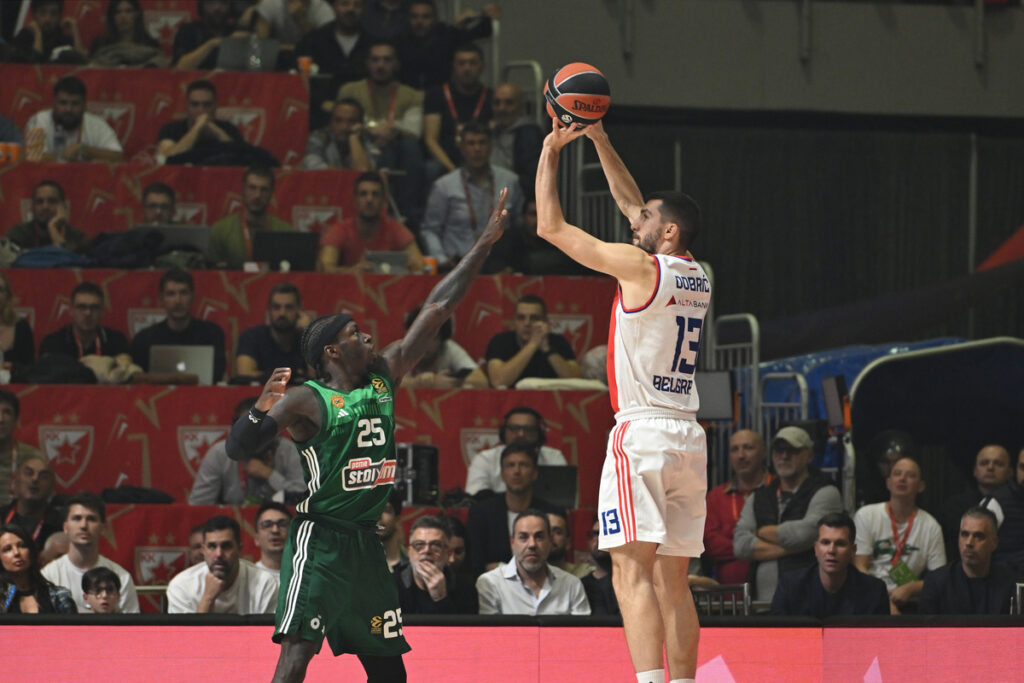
(231, 237)
(335, 582)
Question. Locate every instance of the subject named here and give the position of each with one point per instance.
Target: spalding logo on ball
(577, 93)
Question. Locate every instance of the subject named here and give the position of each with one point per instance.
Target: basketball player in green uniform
(335, 582)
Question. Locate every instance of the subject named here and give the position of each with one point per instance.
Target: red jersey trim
(657, 286)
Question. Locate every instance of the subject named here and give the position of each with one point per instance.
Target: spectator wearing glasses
(272, 520)
(101, 591)
(522, 424)
(84, 335)
(158, 204)
(426, 585)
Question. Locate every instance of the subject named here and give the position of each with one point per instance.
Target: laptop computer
(196, 360)
(274, 247)
(557, 484)
(189, 236)
(388, 261)
(234, 53)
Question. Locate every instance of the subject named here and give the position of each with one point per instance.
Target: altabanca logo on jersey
(363, 474)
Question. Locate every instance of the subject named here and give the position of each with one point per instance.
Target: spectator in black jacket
(84, 335)
(974, 584)
(180, 327)
(425, 583)
(341, 47)
(489, 523)
(833, 585)
(427, 50)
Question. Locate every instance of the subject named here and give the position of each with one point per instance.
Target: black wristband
(256, 416)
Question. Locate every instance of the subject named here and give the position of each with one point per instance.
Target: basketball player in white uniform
(651, 507)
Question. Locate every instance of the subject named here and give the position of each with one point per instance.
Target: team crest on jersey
(362, 474)
(338, 401)
(376, 626)
(378, 385)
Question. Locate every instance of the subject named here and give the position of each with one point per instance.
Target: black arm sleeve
(251, 434)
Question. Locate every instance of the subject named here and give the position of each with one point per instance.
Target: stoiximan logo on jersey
(363, 474)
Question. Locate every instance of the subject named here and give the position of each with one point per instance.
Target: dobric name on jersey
(693, 284)
(362, 474)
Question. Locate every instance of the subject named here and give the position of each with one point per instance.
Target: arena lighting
(523, 654)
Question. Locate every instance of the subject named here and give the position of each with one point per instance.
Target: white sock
(652, 676)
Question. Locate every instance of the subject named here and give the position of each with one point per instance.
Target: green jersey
(350, 463)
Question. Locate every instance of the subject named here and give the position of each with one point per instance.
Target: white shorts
(653, 485)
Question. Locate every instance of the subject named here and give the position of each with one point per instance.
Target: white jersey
(652, 350)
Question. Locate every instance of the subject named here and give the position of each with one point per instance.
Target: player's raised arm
(627, 263)
(624, 189)
(445, 296)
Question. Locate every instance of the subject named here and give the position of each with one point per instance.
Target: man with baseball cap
(778, 525)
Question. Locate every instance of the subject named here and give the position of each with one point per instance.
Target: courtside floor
(518, 654)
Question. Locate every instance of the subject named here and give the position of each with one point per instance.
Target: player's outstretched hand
(496, 223)
(273, 390)
(560, 135)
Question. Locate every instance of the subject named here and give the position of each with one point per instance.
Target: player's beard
(648, 242)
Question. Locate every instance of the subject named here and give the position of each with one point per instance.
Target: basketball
(577, 93)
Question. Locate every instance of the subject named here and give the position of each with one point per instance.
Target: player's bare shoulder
(638, 276)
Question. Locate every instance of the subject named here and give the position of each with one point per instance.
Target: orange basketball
(577, 93)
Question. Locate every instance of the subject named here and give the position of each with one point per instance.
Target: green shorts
(335, 583)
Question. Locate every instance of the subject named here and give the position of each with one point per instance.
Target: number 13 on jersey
(687, 344)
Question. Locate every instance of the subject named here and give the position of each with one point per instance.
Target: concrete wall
(878, 57)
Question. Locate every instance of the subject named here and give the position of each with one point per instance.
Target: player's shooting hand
(560, 135)
(595, 130)
(496, 224)
(273, 390)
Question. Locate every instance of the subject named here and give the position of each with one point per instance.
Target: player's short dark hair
(682, 210)
(50, 183)
(271, 505)
(11, 399)
(87, 288)
(97, 577)
(352, 102)
(839, 520)
(468, 47)
(285, 288)
(477, 128)
(201, 84)
(431, 522)
(368, 177)
(532, 512)
(159, 188)
(182, 277)
(519, 446)
(533, 299)
(977, 511)
(70, 85)
(259, 172)
(88, 500)
(445, 333)
(222, 523)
